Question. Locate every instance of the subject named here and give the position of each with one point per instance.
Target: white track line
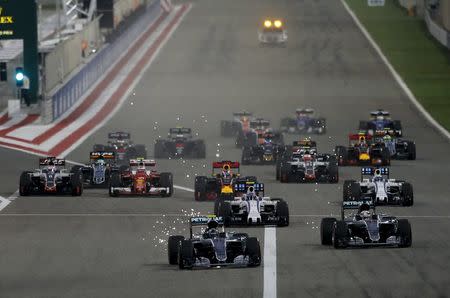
(183, 188)
(5, 202)
(396, 76)
(270, 262)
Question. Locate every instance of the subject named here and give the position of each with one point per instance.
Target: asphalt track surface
(95, 246)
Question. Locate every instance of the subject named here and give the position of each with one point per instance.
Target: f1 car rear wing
(380, 113)
(259, 123)
(225, 164)
(119, 135)
(305, 111)
(242, 114)
(358, 136)
(243, 187)
(95, 155)
(203, 221)
(355, 205)
(371, 171)
(52, 161)
(305, 144)
(180, 131)
(146, 162)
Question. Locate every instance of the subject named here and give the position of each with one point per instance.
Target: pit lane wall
(66, 95)
(70, 54)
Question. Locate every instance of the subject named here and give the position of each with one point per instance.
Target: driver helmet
(387, 138)
(226, 171)
(379, 117)
(211, 230)
(365, 214)
(251, 194)
(141, 165)
(100, 161)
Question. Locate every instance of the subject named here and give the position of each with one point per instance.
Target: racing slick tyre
(340, 234)
(141, 151)
(173, 246)
(278, 170)
(341, 154)
(224, 211)
(407, 194)
(326, 230)
(346, 190)
(411, 150)
(76, 182)
(186, 259)
(333, 172)
(166, 180)
(253, 251)
(200, 188)
(398, 128)
(285, 173)
(160, 151)
(217, 202)
(25, 183)
(404, 233)
(282, 213)
(115, 181)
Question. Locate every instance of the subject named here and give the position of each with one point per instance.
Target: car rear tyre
(411, 150)
(404, 233)
(25, 183)
(166, 180)
(173, 247)
(282, 213)
(253, 251)
(186, 258)
(407, 194)
(76, 181)
(326, 230)
(224, 211)
(115, 181)
(340, 234)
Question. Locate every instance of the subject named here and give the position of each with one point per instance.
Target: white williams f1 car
(253, 209)
(379, 188)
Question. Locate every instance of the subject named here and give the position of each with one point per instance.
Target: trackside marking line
(3, 203)
(270, 262)
(183, 188)
(396, 76)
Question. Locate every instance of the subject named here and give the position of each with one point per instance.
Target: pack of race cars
(123, 168)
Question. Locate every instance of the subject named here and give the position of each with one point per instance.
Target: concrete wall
(69, 55)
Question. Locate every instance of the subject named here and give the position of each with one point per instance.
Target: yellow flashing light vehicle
(272, 32)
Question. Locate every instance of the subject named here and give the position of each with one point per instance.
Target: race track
(96, 246)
